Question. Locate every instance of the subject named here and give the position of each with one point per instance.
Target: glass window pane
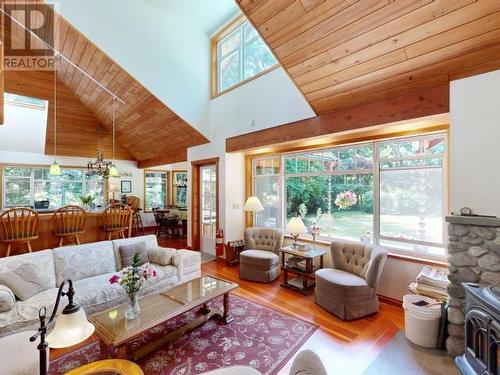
(249, 32)
(17, 172)
(42, 174)
(230, 43)
(229, 71)
(17, 192)
(156, 190)
(256, 58)
(290, 165)
(411, 204)
(267, 189)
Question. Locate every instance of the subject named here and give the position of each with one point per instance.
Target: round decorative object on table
(133, 310)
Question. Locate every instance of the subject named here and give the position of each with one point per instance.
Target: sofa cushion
(25, 281)
(7, 298)
(150, 240)
(127, 252)
(186, 258)
(161, 255)
(259, 258)
(341, 283)
(82, 261)
(37, 270)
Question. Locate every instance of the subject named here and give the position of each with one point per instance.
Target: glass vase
(133, 308)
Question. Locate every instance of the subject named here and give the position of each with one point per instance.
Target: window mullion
(376, 195)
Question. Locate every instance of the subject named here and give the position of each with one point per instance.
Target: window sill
(393, 255)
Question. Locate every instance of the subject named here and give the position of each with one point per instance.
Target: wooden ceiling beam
(434, 101)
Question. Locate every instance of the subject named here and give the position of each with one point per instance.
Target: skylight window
(239, 54)
(24, 101)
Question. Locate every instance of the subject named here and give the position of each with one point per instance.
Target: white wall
(475, 143)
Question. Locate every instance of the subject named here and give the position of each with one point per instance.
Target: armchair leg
(77, 238)
(60, 241)
(29, 247)
(9, 246)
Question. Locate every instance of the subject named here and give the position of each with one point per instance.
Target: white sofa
(90, 266)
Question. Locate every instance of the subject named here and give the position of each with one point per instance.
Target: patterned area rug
(260, 337)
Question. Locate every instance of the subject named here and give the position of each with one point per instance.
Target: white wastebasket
(421, 322)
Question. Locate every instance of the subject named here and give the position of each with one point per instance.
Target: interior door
(208, 204)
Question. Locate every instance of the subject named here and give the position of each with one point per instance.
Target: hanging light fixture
(55, 169)
(113, 171)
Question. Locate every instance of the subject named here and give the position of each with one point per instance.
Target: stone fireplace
(473, 256)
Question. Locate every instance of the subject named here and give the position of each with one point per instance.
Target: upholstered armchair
(348, 290)
(260, 259)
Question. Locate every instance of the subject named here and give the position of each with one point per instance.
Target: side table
(302, 265)
(233, 250)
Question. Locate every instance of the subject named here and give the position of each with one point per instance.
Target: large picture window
(23, 186)
(390, 192)
(239, 54)
(155, 186)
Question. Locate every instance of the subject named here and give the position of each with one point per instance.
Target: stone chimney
(473, 256)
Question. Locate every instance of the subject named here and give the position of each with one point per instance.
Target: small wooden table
(301, 264)
(115, 331)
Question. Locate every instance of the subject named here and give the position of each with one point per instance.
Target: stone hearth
(473, 256)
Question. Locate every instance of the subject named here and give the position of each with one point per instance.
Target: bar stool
(117, 218)
(135, 205)
(69, 221)
(18, 225)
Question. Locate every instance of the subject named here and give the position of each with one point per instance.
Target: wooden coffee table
(114, 331)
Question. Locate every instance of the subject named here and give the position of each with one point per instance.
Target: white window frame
(32, 180)
(279, 219)
(167, 187)
(375, 170)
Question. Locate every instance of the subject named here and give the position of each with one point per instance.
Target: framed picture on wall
(126, 187)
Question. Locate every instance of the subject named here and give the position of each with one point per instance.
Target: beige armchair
(349, 289)
(260, 260)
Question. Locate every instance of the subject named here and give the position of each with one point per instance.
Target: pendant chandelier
(55, 169)
(101, 167)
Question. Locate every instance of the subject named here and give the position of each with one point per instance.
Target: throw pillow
(25, 281)
(127, 252)
(161, 256)
(7, 299)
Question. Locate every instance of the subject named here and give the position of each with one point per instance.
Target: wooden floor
(344, 347)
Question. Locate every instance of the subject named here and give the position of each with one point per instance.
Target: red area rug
(260, 337)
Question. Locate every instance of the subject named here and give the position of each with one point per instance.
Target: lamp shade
(113, 171)
(113, 188)
(296, 226)
(55, 169)
(253, 204)
(70, 329)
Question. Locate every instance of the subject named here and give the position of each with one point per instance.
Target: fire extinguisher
(219, 242)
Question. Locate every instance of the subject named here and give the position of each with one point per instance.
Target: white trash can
(422, 322)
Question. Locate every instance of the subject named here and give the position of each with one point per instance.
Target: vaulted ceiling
(343, 53)
(146, 129)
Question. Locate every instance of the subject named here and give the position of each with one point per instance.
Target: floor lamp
(71, 327)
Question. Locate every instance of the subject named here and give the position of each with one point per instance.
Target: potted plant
(131, 279)
(87, 200)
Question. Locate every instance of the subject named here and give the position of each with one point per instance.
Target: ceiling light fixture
(113, 171)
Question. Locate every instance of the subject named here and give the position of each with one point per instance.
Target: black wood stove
(482, 330)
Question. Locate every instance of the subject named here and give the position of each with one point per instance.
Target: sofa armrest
(187, 262)
(7, 299)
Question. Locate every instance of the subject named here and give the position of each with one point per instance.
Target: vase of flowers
(346, 200)
(131, 279)
(315, 231)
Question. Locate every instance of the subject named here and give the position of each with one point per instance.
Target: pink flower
(114, 279)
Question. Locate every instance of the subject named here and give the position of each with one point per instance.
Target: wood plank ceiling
(151, 133)
(344, 53)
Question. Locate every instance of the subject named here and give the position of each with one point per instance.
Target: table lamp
(113, 188)
(71, 327)
(296, 226)
(253, 205)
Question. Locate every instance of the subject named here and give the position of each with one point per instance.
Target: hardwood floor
(344, 347)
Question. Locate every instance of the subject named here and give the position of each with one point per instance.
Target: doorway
(205, 204)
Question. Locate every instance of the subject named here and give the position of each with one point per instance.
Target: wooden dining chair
(18, 225)
(69, 222)
(117, 218)
(135, 205)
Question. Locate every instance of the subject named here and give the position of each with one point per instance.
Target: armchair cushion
(350, 256)
(268, 239)
(259, 257)
(343, 284)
